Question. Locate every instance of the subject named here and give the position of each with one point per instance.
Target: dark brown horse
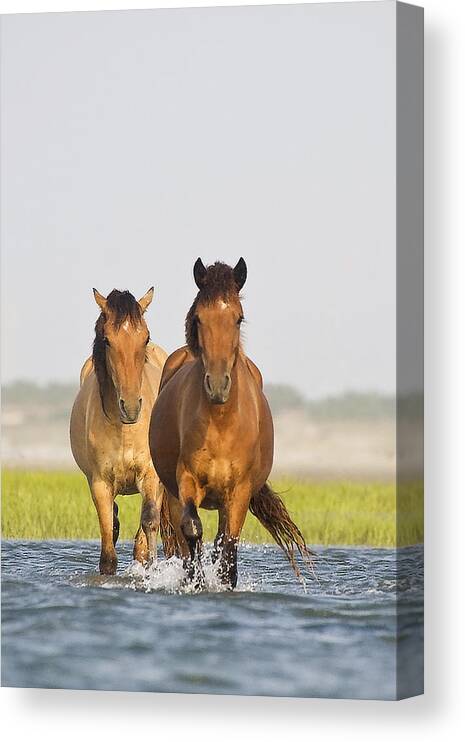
(211, 431)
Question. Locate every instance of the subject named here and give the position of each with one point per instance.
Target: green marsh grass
(57, 505)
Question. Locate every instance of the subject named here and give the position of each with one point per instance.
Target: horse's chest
(125, 467)
(128, 458)
(222, 460)
(217, 473)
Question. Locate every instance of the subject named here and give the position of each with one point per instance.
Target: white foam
(169, 575)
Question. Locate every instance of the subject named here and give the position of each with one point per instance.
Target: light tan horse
(211, 432)
(110, 420)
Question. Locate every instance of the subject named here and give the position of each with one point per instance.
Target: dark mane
(121, 306)
(219, 283)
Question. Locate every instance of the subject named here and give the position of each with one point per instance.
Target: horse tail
(272, 513)
(167, 532)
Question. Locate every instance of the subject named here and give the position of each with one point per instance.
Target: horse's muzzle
(129, 414)
(217, 389)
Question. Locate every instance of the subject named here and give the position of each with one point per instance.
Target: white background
(58, 715)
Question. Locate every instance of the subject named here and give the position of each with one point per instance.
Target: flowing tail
(167, 532)
(270, 510)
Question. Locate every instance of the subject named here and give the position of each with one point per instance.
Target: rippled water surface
(64, 626)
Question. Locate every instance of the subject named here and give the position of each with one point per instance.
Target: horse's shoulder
(174, 362)
(156, 355)
(87, 369)
(255, 371)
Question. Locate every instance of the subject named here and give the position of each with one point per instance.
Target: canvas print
(212, 361)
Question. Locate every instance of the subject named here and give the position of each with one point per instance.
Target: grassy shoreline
(57, 505)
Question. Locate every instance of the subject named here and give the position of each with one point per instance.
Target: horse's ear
(145, 301)
(199, 273)
(101, 301)
(240, 273)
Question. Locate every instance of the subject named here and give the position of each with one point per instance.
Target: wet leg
(235, 512)
(176, 511)
(102, 496)
(219, 538)
(145, 545)
(115, 523)
(190, 496)
(140, 551)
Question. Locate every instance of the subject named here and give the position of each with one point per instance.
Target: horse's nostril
(207, 383)
(121, 406)
(227, 382)
(140, 402)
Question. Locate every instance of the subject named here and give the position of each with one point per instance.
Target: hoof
(228, 577)
(108, 566)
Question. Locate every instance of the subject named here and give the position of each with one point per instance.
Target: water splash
(169, 575)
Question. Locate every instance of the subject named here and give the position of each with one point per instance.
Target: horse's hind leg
(140, 552)
(115, 523)
(102, 496)
(175, 544)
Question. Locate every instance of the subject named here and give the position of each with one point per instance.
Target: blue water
(65, 626)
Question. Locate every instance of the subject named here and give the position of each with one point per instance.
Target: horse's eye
(106, 341)
(196, 320)
(239, 321)
(148, 340)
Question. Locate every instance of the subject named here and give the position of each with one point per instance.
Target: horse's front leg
(190, 497)
(145, 544)
(103, 498)
(235, 510)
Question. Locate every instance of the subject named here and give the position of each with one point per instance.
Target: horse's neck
(108, 400)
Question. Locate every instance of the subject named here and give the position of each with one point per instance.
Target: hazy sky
(133, 142)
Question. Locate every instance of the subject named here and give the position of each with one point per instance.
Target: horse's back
(87, 392)
(255, 371)
(156, 355)
(87, 368)
(174, 362)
